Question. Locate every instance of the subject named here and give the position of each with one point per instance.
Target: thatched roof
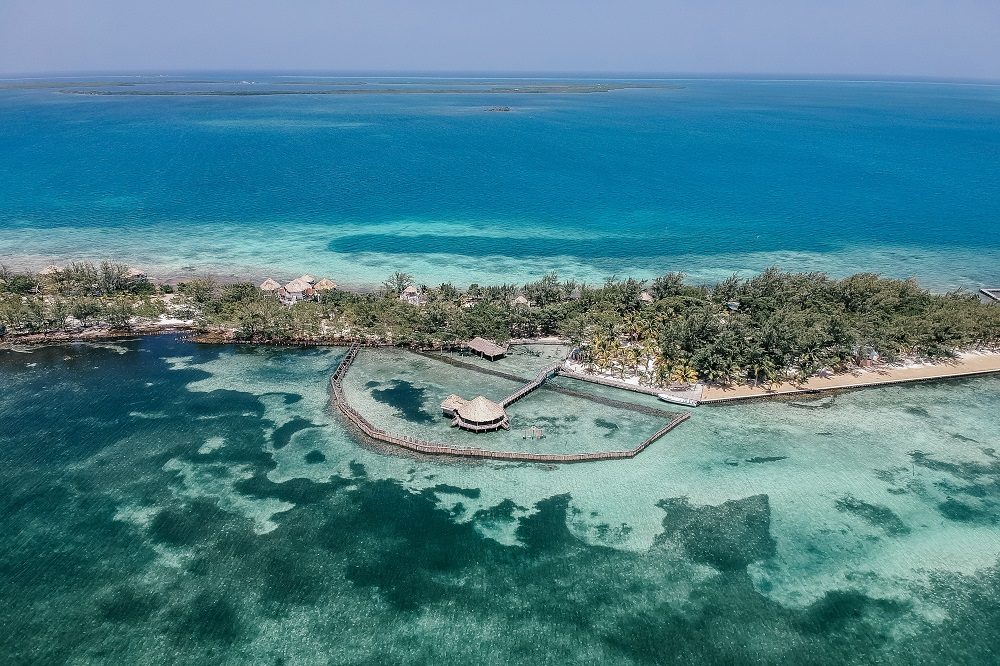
(307, 278)
(51, 269)
(484, 346)
(453, 402)
(297, 286)
(646, 297)
(411, 290)
(480, 410)
(521, 300)
(324, 285)
(270, 285)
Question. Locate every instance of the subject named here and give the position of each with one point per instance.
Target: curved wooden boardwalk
(433, 448)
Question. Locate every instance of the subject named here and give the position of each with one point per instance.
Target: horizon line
(803, 77)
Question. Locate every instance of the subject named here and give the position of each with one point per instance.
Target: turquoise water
(164, 502)
(707, 177)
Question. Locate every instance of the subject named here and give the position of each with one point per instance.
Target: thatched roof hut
(298, 286)
(270, 285)
(451, 404)
(307, 278)
(486, 348)
(324, 285)
(521, 301)
(646, 297)
(478, 415)
(481, 411)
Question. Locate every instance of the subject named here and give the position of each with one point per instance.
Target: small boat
(677, 400)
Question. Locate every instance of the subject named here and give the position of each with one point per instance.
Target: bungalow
(411, 295)
(296, 290)
(486, 348)
(646, 297)
(270, 285)
(325, 285)
(521, 302)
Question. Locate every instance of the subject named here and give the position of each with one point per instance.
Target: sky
(877, 38)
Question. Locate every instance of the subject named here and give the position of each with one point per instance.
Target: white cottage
(411, 295)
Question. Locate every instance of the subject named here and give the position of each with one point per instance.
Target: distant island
(771, 329)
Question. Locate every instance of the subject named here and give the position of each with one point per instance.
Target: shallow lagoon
(163, 501)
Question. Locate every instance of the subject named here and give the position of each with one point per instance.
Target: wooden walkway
(537, 381)
(433, 448)
(599, 399)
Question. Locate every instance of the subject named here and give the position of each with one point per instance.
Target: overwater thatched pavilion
(477, 415)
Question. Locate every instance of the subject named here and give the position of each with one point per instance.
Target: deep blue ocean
(367, 176)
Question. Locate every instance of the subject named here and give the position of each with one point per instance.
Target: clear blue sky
(942, 38)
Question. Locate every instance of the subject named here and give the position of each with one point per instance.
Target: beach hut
(296, 290)
(270, 285)
(486, 348)
(307, 278)
(411, 295)
(325, 285)
(646, 297)
(521, 302)
(481, 415)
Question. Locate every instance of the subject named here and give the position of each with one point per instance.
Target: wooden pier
(599, 399)
(537, 381)
(433, 448)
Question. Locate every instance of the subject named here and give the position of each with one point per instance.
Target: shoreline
(969, 364)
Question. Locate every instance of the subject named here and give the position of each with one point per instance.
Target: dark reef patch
(188, 524)
(283, 434)
(961, 512)
(124, 603)
(874, 514)
(407, 399)
(211, 615)
(315, 457)
(729, 536)
(501, 513)
(471, 493)
(610, 426)
(838, 609)
(766, 459)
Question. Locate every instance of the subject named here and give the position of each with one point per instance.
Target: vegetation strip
(424, 446)
(734, 337)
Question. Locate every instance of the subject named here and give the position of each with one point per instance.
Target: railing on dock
(539, 379)
(423, 446)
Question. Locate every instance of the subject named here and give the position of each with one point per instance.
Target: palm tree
(648, 351)
(682, 373)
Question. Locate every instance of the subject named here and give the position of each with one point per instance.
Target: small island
(774, 333)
